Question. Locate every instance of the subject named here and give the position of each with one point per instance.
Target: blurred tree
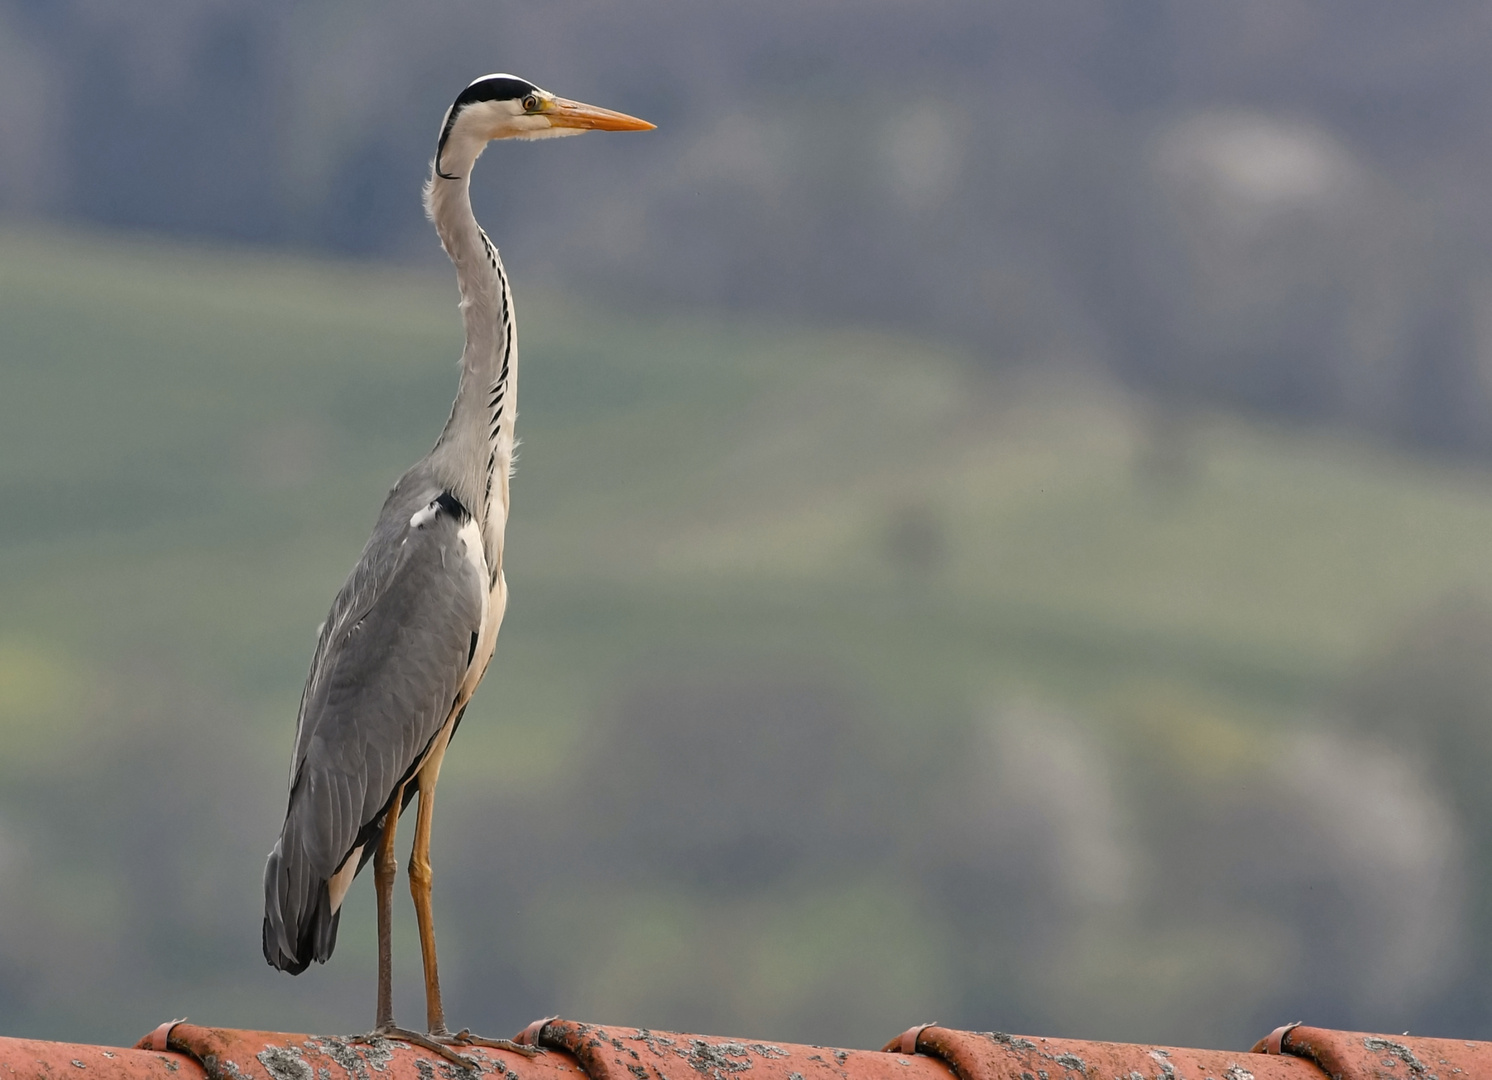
(1275, 206)
(1429, 691)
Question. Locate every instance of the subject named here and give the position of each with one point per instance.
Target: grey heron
(411, 632)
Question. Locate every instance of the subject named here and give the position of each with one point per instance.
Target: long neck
(475, 451)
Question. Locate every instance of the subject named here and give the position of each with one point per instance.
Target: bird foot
(464, 1037)
(435, 1043)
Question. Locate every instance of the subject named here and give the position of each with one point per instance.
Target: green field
(194, 443)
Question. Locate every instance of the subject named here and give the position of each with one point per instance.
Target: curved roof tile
(575, 1051)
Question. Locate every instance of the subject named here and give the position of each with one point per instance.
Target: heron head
(504, 106)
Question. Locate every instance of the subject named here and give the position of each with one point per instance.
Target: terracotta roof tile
(1361, 1055)
(34, 1057)
(983, 1055)
(607, 1053)
(576, 1051)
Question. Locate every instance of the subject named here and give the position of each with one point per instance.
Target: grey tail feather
(300, 918)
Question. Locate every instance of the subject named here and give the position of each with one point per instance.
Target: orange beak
(573, 114)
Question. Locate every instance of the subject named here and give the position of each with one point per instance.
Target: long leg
(420, 877)
(384, 868)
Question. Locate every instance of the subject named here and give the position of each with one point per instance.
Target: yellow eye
(531, 104)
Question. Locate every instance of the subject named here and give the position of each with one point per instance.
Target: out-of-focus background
(1003, 532)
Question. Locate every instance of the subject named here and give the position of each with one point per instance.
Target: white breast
(493, 604)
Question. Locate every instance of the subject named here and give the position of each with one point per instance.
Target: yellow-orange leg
(385, 866)
(420, 877)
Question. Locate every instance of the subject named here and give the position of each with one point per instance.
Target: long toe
(465, 1038)
(436, 1044)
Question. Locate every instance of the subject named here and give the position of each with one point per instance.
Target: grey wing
(385, 677)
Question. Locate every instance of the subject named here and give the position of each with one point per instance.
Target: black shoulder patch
(487, 88)
(451, 505)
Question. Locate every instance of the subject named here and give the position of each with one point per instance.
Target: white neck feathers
(475, 452)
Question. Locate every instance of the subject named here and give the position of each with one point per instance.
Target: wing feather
(384, 678)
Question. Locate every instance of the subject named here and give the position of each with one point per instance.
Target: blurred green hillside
(842, 684)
